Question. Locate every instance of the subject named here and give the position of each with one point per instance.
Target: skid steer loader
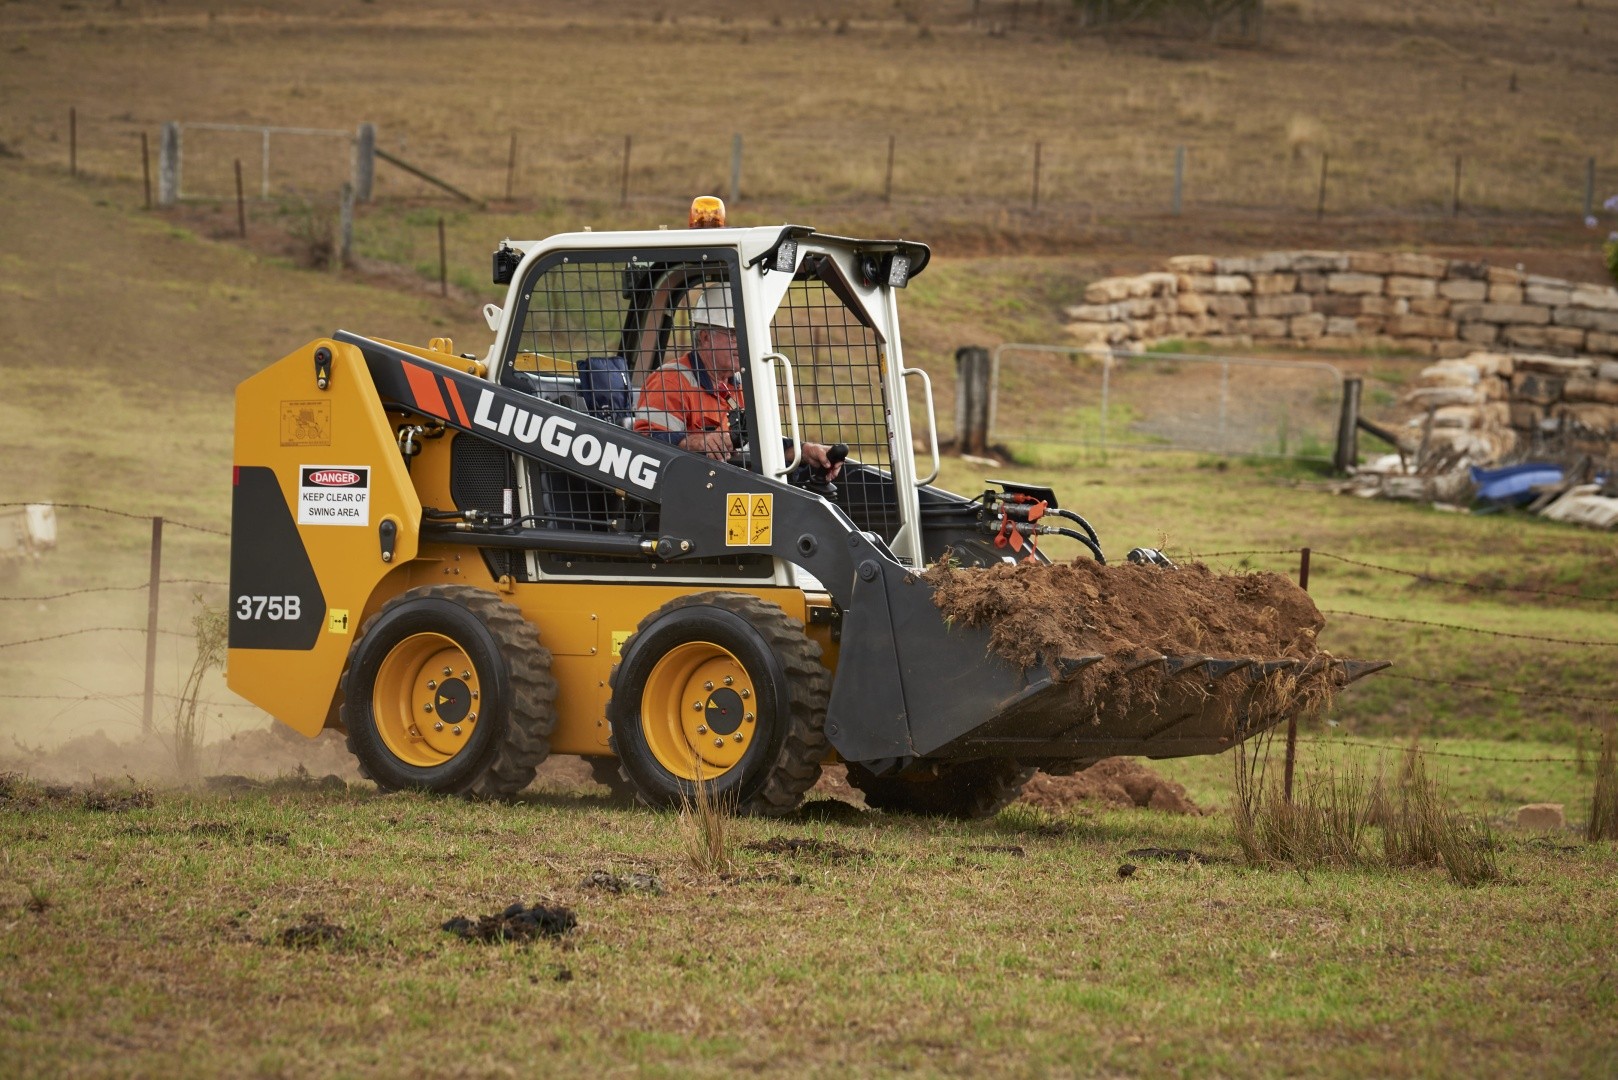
(467, 562)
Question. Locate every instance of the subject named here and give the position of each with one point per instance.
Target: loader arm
(906, 684)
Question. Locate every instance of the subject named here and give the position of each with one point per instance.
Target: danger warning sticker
(334, 495)
(749, 520)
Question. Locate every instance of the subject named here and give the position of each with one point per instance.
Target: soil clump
(1113, 782)
(515, 923)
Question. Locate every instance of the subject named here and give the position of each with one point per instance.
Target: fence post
(887, 185)
(345, 226)
(1292, 721)
(364, 161)
(623, 193)
(151, 624)
(511, 165)
(972, 382)
(168, 165)
(72, 141)
(735, 169)
(1348, 428)
(146, 168)
(1037, 148)
(241, 203)
(1320, 207)
(1179, 178)
(443, 262)
(1589, 187)
(1455, 195)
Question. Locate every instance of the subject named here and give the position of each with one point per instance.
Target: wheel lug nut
(702, 729)
(456, 729)
(438, 726)
(729, 681)
(428, 707)
(748, 717)
(746, 693)
(471, 718)
(466, 674)
(697, 705)
(737, 736)
(446, 673)
(432, 684)
(708, 685)
(719, 742)
(474, 695)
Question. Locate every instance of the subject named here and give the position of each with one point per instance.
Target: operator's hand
(815, 455)
(714, 444)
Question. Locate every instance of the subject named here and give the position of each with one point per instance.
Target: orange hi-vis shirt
(681, 397)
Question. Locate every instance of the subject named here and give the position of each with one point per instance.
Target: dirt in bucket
(1038, 614)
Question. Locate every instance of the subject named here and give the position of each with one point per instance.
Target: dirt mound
(516, 923)
(274, 750)
(1119, 782)
(1041, 613)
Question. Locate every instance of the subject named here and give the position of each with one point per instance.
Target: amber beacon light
(707, 212)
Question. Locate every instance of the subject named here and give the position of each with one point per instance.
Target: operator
(688, 402)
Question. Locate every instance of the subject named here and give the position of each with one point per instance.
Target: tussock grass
(707, 833)
(1329, 822)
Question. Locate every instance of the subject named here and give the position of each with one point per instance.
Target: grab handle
(932, 423)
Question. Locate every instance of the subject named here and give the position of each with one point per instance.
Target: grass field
(147, 937)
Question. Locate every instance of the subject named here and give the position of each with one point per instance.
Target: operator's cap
(712, 308)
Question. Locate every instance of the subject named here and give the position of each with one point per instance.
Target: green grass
(157, 948)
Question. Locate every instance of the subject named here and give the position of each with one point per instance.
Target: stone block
(1161, 284)
(1227, 306)
(1505, 275)
(1535, 388)
(1192, 264)
(1464, 289)
(1416, 346)
(1570, 338)
(1095, 333)
(1427, 326)
(1585, 319)
(1285, 304)
(1107, 291)
(1384, 305)
(1330, 304)
(1428, 397)
(1452, 349)
(1431, 305)
(1607, 369)
(1451, 373)
(1369, 324)
(1139, 287)
(1467, 270)
(1405, 285)
(1271, 284)
(1307, 327)
(1456, 416)
(1094, 312)
(1341, 326)
(1549, 295)
(1267, 328)
(1355, 284)
(1413, 265)
(1370, 262)
(1527, 337)
(1232, 284)
(1594, 296)
(1268, 263)
(1541, 817)
(1310, 282)
(1589, 416)
(1190, 303)
(1503, 293)
(1493, 363)
(1317, 261)
(1586, 388)
(1526, 314)
(1597, 342)
(1526, 415)
(1561, 367)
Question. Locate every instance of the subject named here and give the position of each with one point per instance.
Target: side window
(838, 364)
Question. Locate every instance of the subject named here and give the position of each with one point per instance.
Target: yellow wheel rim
(700, 708)
(426, 700)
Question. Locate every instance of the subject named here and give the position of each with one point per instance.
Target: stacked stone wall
(1490, 408)
(1350, 301)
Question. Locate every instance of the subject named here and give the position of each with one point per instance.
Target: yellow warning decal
(749, 520)
(337, 621)
(305, 423)
(618, 639)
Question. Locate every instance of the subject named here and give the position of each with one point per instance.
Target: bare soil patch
(1113, 782)
(515, 923)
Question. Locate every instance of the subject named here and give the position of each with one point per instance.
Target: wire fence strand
(1471, 629)
(1392, 748)
(91, 630)
(119, 513)
(1501, 689)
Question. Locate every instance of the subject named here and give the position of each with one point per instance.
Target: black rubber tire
(516, 712)
(783, 759)
(966, 789)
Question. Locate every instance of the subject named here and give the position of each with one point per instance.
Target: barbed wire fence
(1304, 555)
